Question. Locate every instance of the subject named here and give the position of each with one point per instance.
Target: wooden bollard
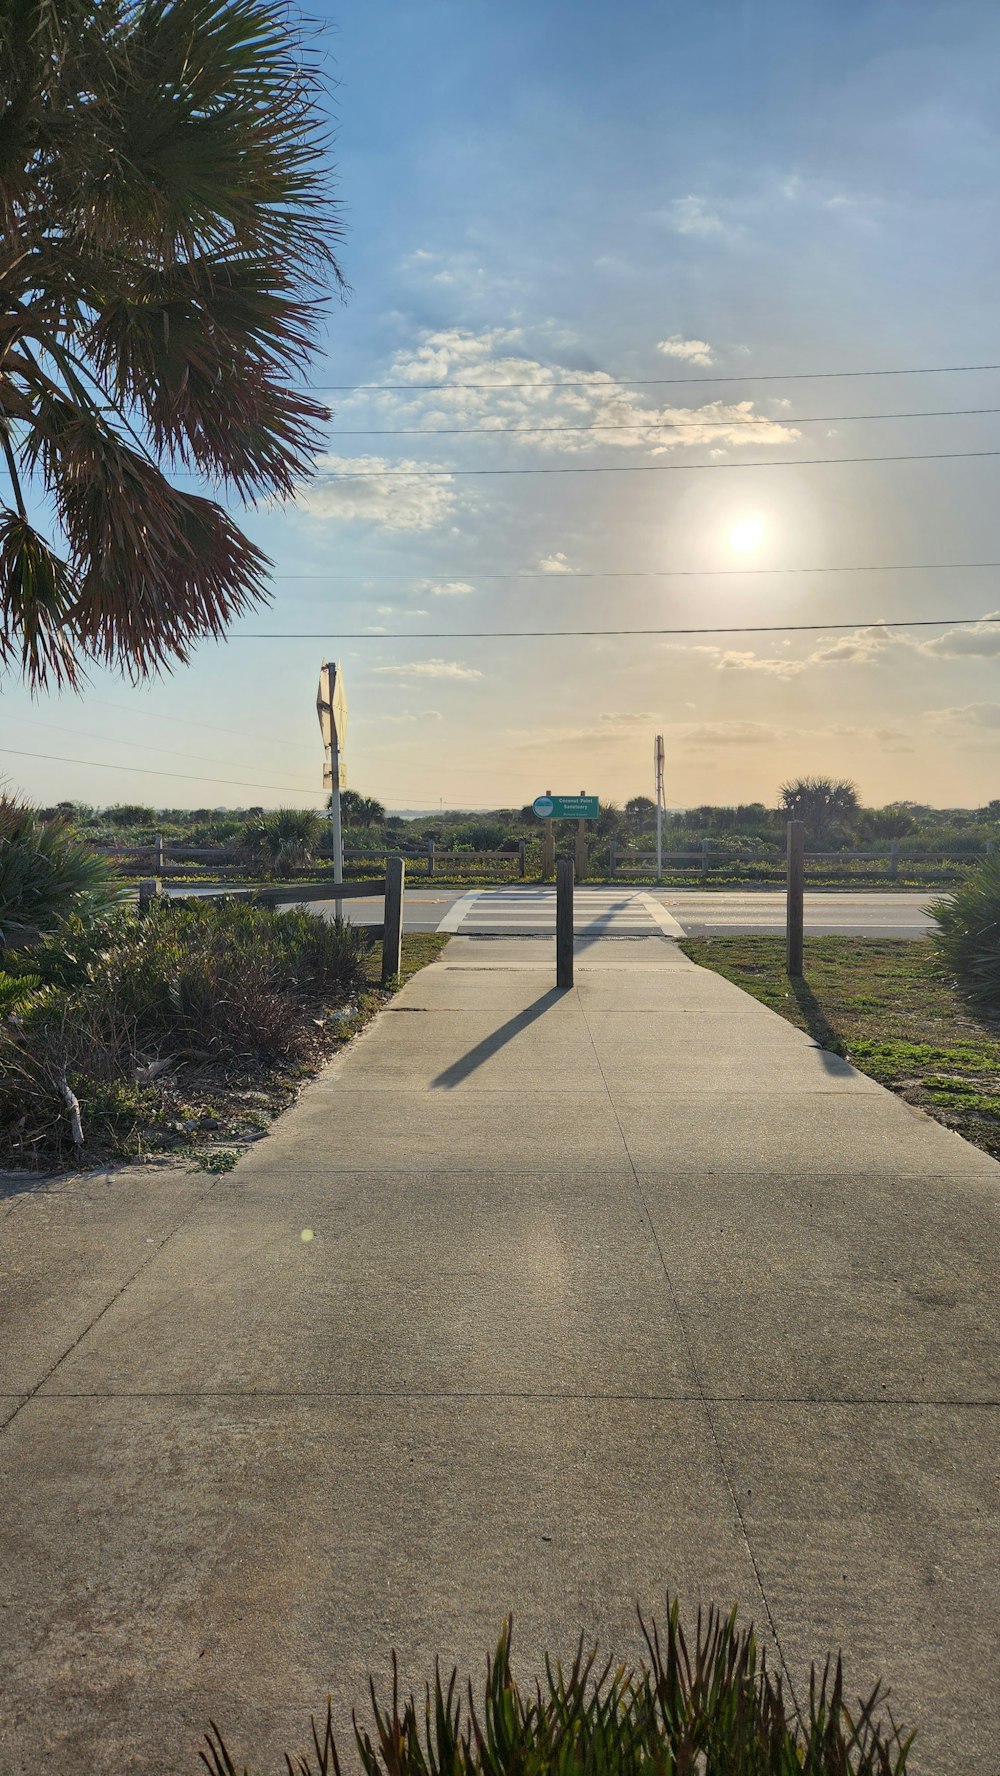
(392, 929)
(564, 922)
(794, 909)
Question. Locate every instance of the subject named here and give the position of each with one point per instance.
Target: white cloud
(402, 500)
(445, 589)
(979, 715)
(727, 733)
(980, 641)
(555, 564)
(736, 660)
(691, 215)
(690, 351)
(429, 669)
(490, 381)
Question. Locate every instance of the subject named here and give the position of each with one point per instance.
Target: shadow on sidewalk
(461, 1069)
(817, 1022)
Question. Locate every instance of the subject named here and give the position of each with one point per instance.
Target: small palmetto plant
(166, 235)
(282, 841)
(702, 1707)
(47, 874)
(967, 938)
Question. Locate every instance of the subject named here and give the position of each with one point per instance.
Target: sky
(697, 220)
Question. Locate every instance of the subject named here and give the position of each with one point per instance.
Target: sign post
(331, 707)
(658, 763)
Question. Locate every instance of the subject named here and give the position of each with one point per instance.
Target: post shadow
(498, 1039)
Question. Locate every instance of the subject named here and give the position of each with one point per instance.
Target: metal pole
(658, 754)
(564, 922)
(335, 827)
(794, 910)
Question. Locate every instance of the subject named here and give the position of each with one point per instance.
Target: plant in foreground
(707, 1706)
(967, 938)
(47, 874)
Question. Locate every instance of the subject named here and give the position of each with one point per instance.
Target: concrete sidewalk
(607, 1292)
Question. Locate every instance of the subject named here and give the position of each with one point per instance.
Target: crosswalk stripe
(533, 911)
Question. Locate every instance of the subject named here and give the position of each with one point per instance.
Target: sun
(746, 534)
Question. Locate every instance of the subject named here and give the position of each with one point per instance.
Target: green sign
(578, 807)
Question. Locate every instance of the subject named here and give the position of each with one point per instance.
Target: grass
(887, 1006)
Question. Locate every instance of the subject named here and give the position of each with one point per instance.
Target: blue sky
(555, 193)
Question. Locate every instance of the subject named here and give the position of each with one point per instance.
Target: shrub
(87, 1007)
(967, 938)
(47, 873)
(282, 841)
(711, 1708)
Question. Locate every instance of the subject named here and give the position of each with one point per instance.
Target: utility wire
(645, 573)
(144, 771)
(186, 722)
(801, 462)
(649, 425)
(597, 379)
(520, 634)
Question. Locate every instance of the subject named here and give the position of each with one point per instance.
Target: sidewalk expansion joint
(692, 1364)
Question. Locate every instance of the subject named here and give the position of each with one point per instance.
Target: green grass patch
(887, 1004)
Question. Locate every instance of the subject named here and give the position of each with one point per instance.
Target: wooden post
(159, 852)
(430, 857)
(794, 912)
(522, 866)
(392, 930)
(580, 850)
(612, 858)
(894, 857)
(548, 849)
(148, 891)
(705, 843)
(564, 922)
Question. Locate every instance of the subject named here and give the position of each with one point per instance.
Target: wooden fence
(388, 888)
(705, 861)
(167, 859)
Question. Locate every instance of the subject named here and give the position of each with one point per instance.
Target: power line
(521, 634)
(647, 573)
(802, 462)
(115, 740)
(144, 771)
(186, 722)
(649, 425)
(596, 378)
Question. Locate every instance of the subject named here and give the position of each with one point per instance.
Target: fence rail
(704, 861)
(389, 888)
(168, 859)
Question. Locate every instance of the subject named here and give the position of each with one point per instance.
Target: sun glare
(746, 534)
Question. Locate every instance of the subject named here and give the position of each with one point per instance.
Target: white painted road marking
(613, 912)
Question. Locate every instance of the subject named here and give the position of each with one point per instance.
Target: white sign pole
(336, 833)
(658, 755)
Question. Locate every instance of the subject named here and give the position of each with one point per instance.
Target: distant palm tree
(827, 809)
(167, 233)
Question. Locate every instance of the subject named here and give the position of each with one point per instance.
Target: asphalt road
(861, 914)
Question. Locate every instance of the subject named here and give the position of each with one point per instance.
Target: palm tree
(828, 809)
(167, 235)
